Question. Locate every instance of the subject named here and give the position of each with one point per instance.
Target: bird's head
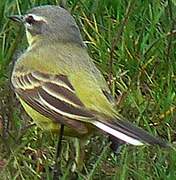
(49, 23)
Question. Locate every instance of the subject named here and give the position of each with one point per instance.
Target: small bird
(58, 84)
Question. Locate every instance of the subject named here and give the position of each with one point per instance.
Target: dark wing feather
(52, 96)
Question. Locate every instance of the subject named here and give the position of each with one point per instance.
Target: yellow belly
(49, 125)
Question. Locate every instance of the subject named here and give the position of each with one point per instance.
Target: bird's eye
(30, 19)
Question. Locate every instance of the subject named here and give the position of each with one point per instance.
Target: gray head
(51, 23)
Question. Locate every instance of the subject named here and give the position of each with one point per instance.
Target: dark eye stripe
(30, 20)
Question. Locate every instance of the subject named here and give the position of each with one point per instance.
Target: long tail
(129, 133)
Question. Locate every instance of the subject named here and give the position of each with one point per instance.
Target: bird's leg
(79, 158)
(115, 144)
(56, 171)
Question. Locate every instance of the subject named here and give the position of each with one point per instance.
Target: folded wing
(53, 96)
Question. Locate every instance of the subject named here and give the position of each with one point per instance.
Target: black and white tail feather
(129, 133)
(54, 97)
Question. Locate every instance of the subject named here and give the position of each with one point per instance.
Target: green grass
(133, 44)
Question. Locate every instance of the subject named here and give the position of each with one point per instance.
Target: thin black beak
(17, 18)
